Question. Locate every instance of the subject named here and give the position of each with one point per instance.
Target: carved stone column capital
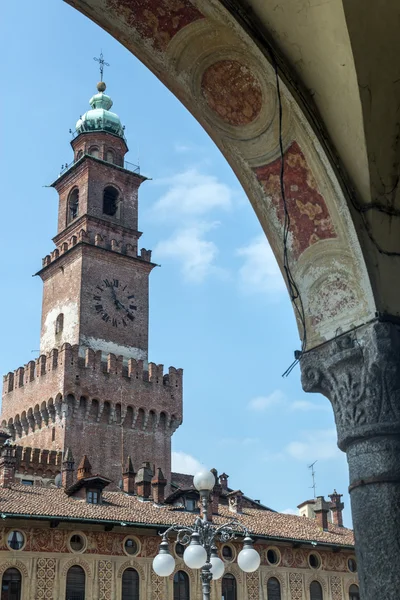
(359, 373)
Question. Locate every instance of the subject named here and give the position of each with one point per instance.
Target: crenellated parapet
(82, 384)
(37, 462)
(100, 240)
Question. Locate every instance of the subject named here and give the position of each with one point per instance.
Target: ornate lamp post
(200, 540)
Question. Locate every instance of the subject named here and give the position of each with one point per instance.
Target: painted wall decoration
(309, 216)
(296, 586)
(232, 92)
(156, 20)
(336, 587)
(45, 576)
(105, 579)
(253, 584)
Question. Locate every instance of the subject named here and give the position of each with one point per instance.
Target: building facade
(85, 450)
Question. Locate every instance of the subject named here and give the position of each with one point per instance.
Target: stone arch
(83, 405)
(128, 418)
(72, 208)
(141, 418)
(316, 577)
(112, 200)
(131, 564)
(94, 409)
(94, 151)
(348, 582)
(110, 155)
(105, 415)
(279, 576)
(71, 404)
(14, 564)
(79, 561)
(189, 573)
(163, 420)
(152, 419)
(231, 90)
(234, 570)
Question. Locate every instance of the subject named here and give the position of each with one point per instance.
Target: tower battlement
(114, 244)
(92, 376)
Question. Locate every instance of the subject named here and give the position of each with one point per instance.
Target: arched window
(59, 323)
(273, 589)
(229, 587)
(79, 155)
(94, 151)
(181, 586)
(354, 592)
(130, 585)
(110, 201)
(110, 156)
(75, 584)
(73, 205)
(316, 591)
(11, 585)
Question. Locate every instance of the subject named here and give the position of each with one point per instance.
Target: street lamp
(200, 540)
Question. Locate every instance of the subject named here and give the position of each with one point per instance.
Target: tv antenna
(314, 485)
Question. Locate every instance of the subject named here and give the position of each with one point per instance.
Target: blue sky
(219, 308)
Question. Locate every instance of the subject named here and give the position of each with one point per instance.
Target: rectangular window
(190, 504)
(27, 482)
(93, 497)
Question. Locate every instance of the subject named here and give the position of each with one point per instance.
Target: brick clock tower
(92, 389)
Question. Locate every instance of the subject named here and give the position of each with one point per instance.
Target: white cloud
(185, 463)
(306, 405)
(259, 272)
(290, 511)
(319, 444)
(261, 403)
(191, 193)
(189, 247)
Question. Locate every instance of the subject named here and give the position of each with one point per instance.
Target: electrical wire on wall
(294, 291)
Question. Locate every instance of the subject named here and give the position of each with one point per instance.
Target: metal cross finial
(103, 64)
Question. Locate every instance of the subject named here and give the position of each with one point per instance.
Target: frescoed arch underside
(339, 80)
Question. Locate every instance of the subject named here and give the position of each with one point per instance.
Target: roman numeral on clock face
(115, 303)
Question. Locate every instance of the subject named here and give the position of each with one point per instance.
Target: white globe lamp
(164, 563)
(204, 481)
(249, 559)
(195, 556)
(217, 565)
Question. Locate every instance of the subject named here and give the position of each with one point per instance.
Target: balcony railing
(127, 165)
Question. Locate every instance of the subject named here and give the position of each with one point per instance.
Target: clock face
(115, 303)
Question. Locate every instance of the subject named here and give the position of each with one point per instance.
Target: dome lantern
(100, 118)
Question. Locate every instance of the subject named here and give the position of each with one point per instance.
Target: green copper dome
(100, 118)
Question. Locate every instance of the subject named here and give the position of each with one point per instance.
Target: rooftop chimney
(223, 479)
(7, 465)
(128, 477)
(235, 500)
(215, 493)
(143, 481)
(158, 484)
(337, 507)
(67, 469)
(321, 511)
(84, 468)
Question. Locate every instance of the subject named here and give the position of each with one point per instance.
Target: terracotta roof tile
(54, 503)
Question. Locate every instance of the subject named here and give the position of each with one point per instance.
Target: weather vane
(103, 64)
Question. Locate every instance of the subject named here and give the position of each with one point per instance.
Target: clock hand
(114, 295)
